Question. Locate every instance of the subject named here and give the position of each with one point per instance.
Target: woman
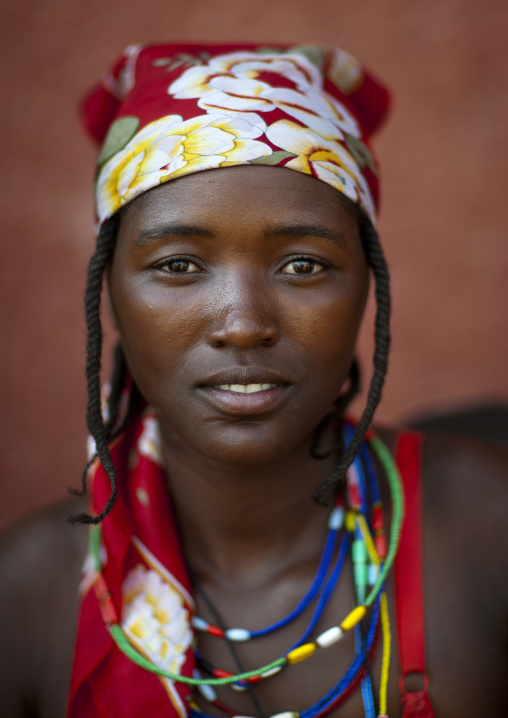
(238, 296)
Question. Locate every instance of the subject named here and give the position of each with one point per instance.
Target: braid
(115, 391)
(345, 400)
(95, 420)
(118, 417)
(114, 408)
(379, 268)
(340, 407)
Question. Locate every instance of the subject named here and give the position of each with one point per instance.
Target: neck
(246, 524)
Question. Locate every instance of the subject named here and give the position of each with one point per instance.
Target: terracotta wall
(444, 156)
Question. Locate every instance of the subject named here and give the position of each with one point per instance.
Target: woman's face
(238, 295)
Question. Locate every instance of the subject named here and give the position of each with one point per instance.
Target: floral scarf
(140, 581)
(168, 110)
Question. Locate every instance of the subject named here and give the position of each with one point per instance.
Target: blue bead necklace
(335, 524)
(366, 487)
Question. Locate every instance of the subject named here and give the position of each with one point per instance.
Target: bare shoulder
(465, 491)
(40, 566)
(465, 483)
(41, 539)
(466, 500)
(466, 480)
(465, 562)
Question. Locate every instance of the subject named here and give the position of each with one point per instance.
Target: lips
(245, 390)
(244, 375)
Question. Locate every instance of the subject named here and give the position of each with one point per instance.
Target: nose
(244, 317)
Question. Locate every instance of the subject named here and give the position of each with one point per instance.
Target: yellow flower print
(316, 110)
(323, 158)
(170, 147)
(233, 78)
(247, 82)
(125, 174)
(154, 618)
(239, 132)
(243, 129)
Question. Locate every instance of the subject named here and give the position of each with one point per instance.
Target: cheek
(155, 340)
(155, 331)
(327, 325)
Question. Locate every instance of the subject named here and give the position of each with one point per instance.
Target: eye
(303, 265)
(178, 265)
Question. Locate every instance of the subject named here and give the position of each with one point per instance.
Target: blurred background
(444, 160)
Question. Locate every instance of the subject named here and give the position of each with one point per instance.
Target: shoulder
(465, 500)
(466, 478)
(40, 566)
(464, 506)
(40, 546)
(463, 479)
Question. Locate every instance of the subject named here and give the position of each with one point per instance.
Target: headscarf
(167, 110)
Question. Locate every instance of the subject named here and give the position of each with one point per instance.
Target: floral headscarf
(167, 110)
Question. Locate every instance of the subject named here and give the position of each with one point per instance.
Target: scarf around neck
(139, 581)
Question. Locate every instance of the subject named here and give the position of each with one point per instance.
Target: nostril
(243, 332)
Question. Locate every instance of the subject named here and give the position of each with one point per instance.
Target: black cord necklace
(219, 622)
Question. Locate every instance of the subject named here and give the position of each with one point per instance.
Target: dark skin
(257, 275)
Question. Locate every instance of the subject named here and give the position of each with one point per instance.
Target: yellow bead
(353, 618)
(301, 653)
(350, 521)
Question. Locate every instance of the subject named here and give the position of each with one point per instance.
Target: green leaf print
(313, 55)
(360, 152)
(272, 159)
(119, 134)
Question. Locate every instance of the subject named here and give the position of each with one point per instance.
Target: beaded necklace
(335, 523)
(357, 499)
(238, 634)
(368, 541)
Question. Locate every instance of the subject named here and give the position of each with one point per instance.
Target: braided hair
(104, 430)
(377, 263)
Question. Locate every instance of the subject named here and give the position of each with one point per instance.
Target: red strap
(409, 580)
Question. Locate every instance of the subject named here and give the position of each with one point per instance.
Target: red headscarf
(164, 111)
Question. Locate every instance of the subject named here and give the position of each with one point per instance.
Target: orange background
(444, 156)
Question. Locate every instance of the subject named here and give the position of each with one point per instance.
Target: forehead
(242, 194)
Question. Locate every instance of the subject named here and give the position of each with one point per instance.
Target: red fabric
(409, 580)
(417, 705)
(135, 86)
(139, 86)
(105, 683)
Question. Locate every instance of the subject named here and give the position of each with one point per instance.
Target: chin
(248, 444)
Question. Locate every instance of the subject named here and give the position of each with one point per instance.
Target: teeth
(245, 388)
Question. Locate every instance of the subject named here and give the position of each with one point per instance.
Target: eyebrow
(170, 230)
(184, 230)
(307, 230)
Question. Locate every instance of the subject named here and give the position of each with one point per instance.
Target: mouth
(245, 391)
(245, 388)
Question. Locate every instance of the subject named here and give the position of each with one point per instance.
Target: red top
(409, 581)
